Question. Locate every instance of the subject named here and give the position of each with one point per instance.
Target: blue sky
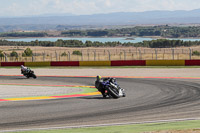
(79, 7)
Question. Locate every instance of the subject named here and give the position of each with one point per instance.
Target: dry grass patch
(100, 53)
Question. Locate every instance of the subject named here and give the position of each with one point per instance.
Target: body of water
(122, 40)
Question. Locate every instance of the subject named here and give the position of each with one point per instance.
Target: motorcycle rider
(100, 86)
(27, 72)
(24, 69)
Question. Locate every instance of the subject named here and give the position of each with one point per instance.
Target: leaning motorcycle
(29, 73)
(113, 89)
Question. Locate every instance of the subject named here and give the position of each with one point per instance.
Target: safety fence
(107, 63)
(100, 54)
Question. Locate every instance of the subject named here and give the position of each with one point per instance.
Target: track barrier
(129, 63)
(107, 63)
(95, 63)
(65, 63)
(165, 62)
(29, 64)
(11, 63)
(192, 62)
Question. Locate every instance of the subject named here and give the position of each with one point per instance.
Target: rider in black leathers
(99, 84)
(24, 69)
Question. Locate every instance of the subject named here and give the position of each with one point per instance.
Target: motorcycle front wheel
(34, 76)
(113, 92)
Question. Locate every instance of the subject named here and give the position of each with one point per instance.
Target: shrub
(197, 53)
(1, 54)
(64, 54)
(27, 52)
(14, 54)
(76, 52)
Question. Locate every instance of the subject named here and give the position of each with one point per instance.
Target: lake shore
(153, 37)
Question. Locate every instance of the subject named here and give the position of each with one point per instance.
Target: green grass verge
(136, 128)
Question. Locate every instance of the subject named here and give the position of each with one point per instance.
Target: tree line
(159, 43)
(163, 31)
(24, 34)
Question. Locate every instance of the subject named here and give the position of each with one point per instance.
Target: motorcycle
(29, 73)
(112, 89)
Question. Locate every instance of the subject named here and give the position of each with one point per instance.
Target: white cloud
(108, 3)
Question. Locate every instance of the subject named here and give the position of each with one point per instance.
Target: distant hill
(120, 18)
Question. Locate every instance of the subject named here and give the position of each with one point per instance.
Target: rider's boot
(104, 96)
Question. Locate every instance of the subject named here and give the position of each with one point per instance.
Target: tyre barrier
(107, 63)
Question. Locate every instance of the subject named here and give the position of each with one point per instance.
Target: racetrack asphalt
(147, 100)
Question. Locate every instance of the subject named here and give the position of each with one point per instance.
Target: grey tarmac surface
(149, 72)
(8, 91)
(15, 91)
(147, 100)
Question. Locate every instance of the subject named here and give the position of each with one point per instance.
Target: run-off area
(14, 91)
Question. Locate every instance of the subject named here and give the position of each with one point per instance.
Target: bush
(76, 52)
(14, 54)
(1, 54)
(27, 52)
(197, 53)
(64, 54)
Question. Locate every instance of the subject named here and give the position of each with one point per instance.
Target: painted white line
(101, 125)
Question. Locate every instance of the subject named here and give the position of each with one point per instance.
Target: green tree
(197, 53)
(27, 52)
(64, 54)
(14, 54)
(88, 43)
(76, 52)
(1, 54)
